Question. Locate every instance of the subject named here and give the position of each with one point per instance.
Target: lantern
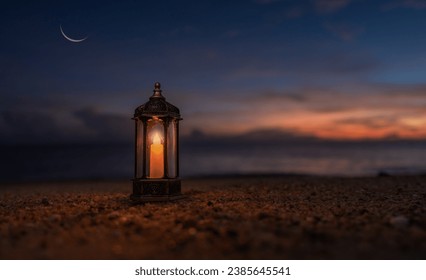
(156, 150)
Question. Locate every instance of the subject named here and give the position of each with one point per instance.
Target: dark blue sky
(346, 69)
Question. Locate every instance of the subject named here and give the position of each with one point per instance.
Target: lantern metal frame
(146, 189)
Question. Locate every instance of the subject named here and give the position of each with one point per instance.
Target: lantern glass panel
(139, 148)
(171, 149)
(155, 148)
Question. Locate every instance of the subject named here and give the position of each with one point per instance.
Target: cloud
(307, 67)
(321, 6)
(266, 2)
(261, 136)
(414, 4)
(294, 9)
(376, 122)
(357, 63)
(180, 31)
(376, 111)
(350, 112)
(417, 4)
(19, 127)
(330, 6)
(106, 127)
(294, 12)
(280, 96)
(86, 125)
(232, 33)
(343, 31)
(259, 72)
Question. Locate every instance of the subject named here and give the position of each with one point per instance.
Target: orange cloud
(373, 113)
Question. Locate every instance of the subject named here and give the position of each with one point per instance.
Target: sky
(328, 69)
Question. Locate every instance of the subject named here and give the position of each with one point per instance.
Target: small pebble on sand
(399, 221)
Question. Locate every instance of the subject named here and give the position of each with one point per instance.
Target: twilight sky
(333, 69)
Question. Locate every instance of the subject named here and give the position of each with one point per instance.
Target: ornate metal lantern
(156, 150)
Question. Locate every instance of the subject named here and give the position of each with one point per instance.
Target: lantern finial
(157, 90)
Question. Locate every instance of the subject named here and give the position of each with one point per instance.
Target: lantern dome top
(157, 106)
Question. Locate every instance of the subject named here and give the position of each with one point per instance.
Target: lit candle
(156, 160)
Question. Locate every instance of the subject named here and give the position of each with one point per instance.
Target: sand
(253, 217)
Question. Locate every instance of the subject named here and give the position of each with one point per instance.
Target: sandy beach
(252, 217)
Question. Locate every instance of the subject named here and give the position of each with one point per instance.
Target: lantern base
(151, 190)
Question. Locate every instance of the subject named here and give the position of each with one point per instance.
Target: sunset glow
(322, 115)
(308, 68)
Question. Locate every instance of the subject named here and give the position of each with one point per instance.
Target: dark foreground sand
(225, 218)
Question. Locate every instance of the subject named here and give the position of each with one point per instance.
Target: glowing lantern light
(156, 150)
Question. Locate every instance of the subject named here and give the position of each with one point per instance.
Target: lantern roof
(157, 106)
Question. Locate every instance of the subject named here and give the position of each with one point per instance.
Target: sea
(29, 163)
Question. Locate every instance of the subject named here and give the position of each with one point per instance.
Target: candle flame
(156, 139)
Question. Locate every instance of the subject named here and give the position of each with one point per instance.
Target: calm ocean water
(40, 163)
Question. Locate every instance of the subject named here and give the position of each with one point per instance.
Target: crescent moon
(71, 39)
